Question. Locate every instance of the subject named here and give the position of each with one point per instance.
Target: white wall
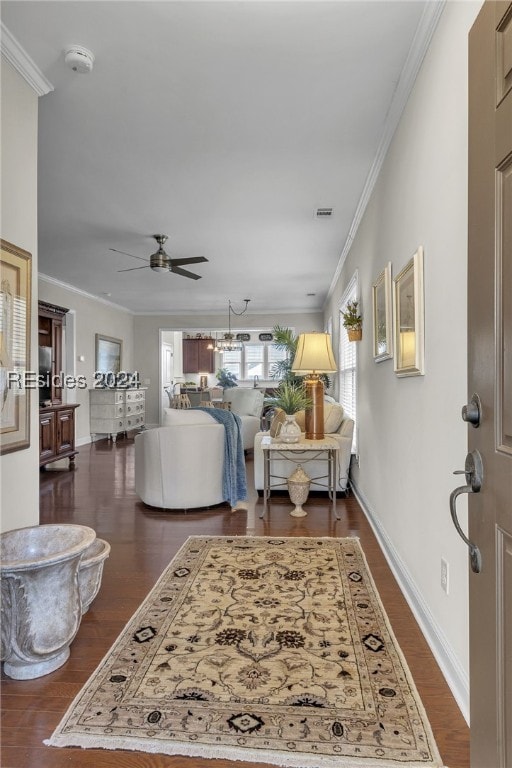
(146, 341)
(19, 470)
(91, 316)
(411, 436)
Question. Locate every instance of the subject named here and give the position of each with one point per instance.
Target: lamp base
(315, 414)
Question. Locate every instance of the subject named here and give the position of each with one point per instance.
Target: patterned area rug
(264, 649)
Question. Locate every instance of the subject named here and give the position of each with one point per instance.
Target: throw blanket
(234, 480)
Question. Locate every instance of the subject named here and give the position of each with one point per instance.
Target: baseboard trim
(451, 668)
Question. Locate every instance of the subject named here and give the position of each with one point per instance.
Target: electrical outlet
(445, 575)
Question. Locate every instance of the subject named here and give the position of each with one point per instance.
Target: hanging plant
(353, 321)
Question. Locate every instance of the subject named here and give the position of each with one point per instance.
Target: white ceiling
(221, 124)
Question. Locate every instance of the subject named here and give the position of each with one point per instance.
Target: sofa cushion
(244, 400)
(174, 416)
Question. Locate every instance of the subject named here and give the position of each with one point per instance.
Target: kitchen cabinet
(197, 358)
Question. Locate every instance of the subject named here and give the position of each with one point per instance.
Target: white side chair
(180, 466)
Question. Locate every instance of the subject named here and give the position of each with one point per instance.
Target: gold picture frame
(15, 319)
(382, 316)
(408, 310)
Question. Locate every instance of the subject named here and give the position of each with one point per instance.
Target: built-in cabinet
(197, 358)
(56, 418)
(116, 411)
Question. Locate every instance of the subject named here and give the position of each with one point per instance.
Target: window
(254, 359)
(348, 362)
(233, 362)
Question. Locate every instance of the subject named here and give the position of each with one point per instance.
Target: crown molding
(22, 63)
(419, 47)
(80, 292)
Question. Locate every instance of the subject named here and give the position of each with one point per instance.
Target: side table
(299, 453)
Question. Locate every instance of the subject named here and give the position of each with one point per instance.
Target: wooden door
(490, 377)
(65, 431)
(46, 435)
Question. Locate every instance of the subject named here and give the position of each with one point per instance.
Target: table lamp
(313, 357)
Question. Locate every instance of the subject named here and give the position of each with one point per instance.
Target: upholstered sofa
(248, 404)
(336, 425)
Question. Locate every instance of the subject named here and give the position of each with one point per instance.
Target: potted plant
(284, 339)
(226, 379)
(290, 398)
(353, 321)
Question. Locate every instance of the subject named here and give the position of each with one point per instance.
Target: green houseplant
(353, 321)
(285, 340)
(226, 379)
(290, 398)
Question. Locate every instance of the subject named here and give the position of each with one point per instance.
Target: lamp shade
(314, 354)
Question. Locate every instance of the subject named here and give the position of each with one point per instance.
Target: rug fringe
(292, 760)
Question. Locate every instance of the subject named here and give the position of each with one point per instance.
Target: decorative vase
(298, 488)
(41, 601)
(355, 334)
(289, 431)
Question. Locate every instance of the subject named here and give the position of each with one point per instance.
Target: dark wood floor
(100, 493)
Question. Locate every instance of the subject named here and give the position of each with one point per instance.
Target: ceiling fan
(160, 261)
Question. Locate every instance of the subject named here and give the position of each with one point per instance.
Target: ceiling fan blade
(191, 260)
(131, 269)
(184, 272)
(127, 254)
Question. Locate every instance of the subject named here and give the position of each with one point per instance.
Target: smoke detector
(79, 59)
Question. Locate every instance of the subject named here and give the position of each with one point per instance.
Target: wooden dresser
(116, 411)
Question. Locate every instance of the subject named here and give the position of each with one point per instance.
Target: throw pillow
(173, 416)
(333, 416)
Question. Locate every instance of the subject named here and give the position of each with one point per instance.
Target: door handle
(473, 471)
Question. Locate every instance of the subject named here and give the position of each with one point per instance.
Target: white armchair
(284, 467)
(180, 466)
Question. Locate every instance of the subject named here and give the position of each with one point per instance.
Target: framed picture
(108, 356)
(382, 316)
(15, 311)
(408, 305)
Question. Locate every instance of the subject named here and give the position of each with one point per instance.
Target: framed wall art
(15, 312)
(108, 354)
(382, 316)
(408, 310)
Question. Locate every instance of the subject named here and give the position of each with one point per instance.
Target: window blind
(347, 375)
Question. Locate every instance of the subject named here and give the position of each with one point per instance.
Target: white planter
(41, 604)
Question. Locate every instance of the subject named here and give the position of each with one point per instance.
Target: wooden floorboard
(100, 493)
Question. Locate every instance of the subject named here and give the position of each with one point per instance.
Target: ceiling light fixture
(228, 343)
